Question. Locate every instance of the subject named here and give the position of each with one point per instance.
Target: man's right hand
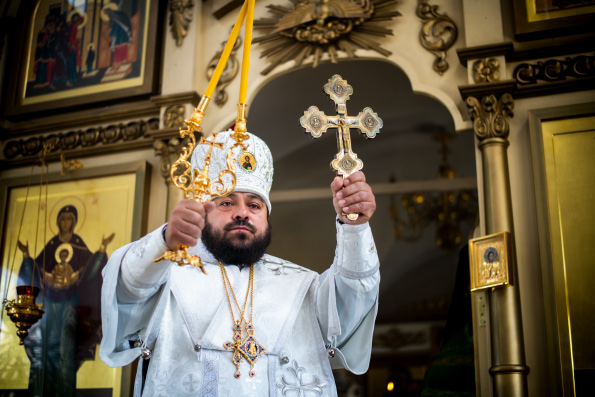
(186, 222)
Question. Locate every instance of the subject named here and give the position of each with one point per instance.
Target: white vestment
(182, 316)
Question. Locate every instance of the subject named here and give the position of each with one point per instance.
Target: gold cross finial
(316, 123)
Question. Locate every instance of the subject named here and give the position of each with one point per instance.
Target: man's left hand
(353, 195)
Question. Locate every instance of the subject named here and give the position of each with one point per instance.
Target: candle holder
(24, 312)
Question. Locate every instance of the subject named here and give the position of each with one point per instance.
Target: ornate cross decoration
(316, 122)
(235, 346)
(251, 348)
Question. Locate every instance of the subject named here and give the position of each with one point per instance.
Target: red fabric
(120, 54)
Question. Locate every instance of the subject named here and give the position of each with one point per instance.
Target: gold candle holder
(24, 312)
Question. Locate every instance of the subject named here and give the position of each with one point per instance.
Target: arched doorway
(417, 277)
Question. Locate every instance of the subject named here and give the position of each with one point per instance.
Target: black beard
(223, 248)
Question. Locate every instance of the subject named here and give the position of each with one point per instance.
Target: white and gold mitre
(253, 166)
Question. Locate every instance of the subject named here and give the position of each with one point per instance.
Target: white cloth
(183, 317)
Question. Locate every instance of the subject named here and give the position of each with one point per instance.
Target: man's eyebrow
(256, 197)
(232, 195)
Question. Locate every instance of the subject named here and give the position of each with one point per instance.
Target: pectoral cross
(316, 123)
(235, 346)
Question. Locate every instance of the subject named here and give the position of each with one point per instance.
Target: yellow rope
(246, 56)
(227, 50)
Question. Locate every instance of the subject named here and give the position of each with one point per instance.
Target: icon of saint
(247, 164)
(69, 331)
(491, 266)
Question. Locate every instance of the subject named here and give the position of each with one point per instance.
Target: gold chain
(248, 347)
(226, 282)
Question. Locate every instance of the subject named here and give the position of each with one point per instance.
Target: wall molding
(87, 142)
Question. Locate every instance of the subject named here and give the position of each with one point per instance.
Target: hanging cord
(14, 256)
(247, 14)
(241, 127)
(246, 55)
(37, 227)
(46, 223)
(227, 51)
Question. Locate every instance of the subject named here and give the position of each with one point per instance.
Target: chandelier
(446, 209)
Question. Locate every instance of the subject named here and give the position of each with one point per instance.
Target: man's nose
(241, 212)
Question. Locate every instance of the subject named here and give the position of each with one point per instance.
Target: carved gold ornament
(319, 27)
(180, 18)
(486, 70)
(490, 115)
(173, 116)
(69, 165)
(437, 35)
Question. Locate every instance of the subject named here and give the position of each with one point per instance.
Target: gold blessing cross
(316, 123)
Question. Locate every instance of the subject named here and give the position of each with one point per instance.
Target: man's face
(237, 231)
(490, 257)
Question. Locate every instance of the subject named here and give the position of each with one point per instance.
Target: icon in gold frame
(490, 263)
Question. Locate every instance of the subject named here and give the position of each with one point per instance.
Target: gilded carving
(81, 138)
(490, 115)
(168, 150)
(69, 165)
(551, 70)
(180, 18)
(437, 35)
(319, 28)
(486, 70)
(173, 116)
(230, 71)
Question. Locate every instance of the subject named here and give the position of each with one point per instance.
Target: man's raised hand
(185, 224)
(353, 195)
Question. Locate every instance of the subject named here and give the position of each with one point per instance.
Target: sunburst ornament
(318, 27)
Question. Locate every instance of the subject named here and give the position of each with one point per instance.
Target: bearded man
(254, 325)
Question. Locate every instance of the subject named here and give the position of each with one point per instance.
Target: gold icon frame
(486, 273)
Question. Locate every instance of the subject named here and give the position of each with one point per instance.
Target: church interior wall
(180, 71)
(483, 22)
